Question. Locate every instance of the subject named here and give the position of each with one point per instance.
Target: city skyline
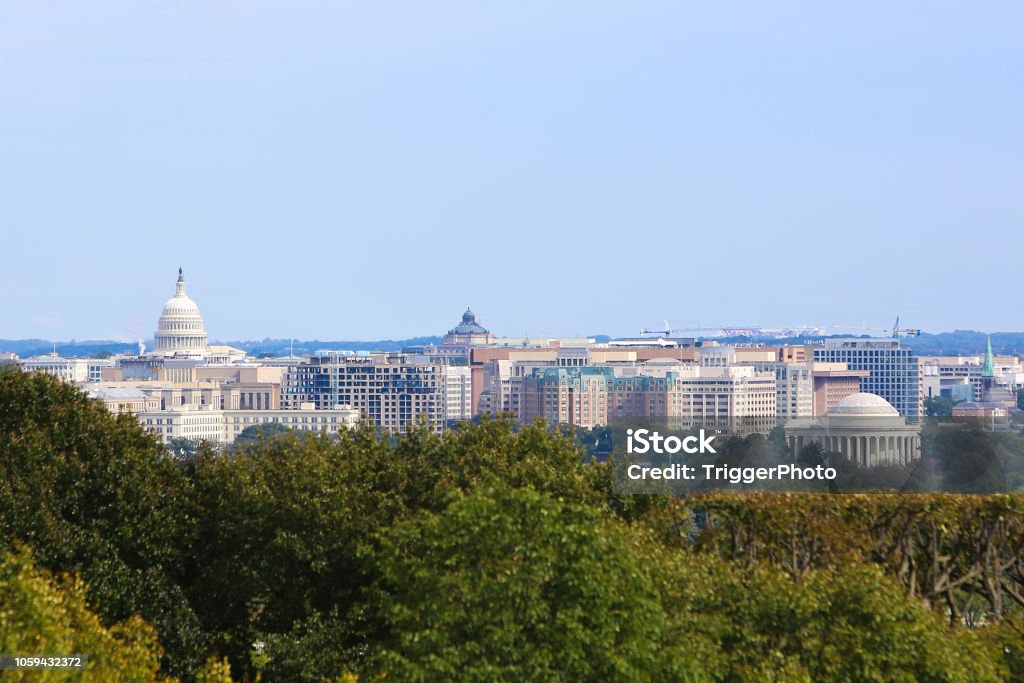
(339, 170)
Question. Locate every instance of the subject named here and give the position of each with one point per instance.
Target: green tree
(94, 495)
(285, 525)
(938, 406)
(43, 615)
(844, 624)
(510, 584)
(183, 447)
(261, 431)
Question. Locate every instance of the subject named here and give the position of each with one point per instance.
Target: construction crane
(896, 331)
(667, 330)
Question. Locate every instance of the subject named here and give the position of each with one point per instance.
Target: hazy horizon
(148, 341)
(340, 170)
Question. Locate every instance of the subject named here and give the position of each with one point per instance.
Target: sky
(366, 170)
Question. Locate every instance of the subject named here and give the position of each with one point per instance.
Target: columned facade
(863, 428)
(896, 448)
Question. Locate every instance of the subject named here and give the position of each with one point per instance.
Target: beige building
(212, 393)
(794, 390)
(220, 427)
(498, 372)
(67, 369)
(125, 399)
(458, 394)
(864, 428)
(738, 397)
(792, 354)
(832, 383)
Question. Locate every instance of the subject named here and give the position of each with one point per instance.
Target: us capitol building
(181, 332)
(187, 389)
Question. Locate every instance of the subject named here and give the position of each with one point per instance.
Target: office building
(893, 369)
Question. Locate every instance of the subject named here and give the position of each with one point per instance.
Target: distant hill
(959, 342)
(26, 348)
(282, 347)
(278, 347)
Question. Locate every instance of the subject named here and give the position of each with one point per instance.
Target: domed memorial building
(468, 332)
(865, 428)
(180, 330)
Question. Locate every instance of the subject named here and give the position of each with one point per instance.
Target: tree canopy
(492, 552)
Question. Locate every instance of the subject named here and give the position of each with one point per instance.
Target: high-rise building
(794, 390)
(393, 391)
(458, 393)
(893, 369)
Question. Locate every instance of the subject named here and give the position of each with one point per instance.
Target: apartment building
(393, 391)
(685, 394)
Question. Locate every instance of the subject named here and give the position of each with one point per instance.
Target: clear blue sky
(364, 170)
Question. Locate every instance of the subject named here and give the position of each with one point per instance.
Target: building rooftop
(469, 325)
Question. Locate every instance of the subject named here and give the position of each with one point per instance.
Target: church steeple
(988, 368)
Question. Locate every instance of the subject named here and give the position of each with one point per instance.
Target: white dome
(864, 404)
(180, 328)
(181, 305)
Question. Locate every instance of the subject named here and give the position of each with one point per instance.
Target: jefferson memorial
(865, 428)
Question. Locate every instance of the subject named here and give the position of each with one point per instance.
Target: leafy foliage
(255, 432)
(93, 495)
(43, 615)
(492, 552)
(510, 584)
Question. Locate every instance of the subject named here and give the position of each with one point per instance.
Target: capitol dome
(180, 328)
(867, 405)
